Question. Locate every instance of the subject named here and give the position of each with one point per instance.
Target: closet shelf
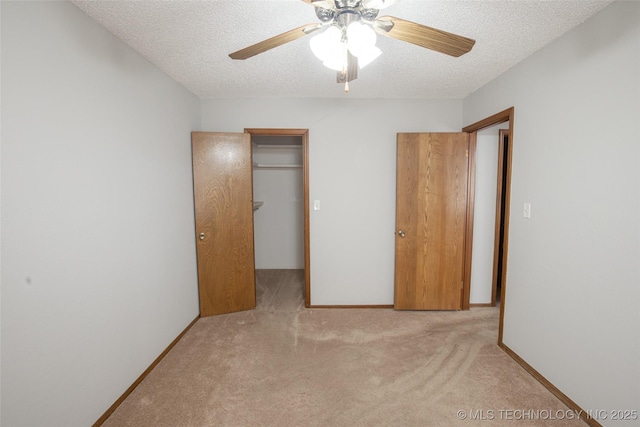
(256, 205)
(274, 166)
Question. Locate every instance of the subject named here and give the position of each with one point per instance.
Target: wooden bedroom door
(431, 209)
(223, 196)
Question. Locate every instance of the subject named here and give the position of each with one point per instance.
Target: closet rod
(276, 146)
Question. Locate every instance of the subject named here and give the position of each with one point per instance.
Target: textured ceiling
(191, 40)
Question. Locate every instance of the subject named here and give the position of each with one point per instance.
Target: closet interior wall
(278, 196)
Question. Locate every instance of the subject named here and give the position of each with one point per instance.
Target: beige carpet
(284, 365)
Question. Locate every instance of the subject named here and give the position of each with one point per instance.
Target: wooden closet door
(223, 196)
(431, 206)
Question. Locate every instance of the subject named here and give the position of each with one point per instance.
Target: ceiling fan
(348, 21)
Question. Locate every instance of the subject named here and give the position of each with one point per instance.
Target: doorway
(499, 118)
(281, 201)
(488, 215)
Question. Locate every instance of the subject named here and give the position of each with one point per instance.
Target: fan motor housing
(346, 17)
(325, 15)
(343, 4)
(346, 12)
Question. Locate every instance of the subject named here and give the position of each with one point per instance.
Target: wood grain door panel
(431, 205)
(223, 196)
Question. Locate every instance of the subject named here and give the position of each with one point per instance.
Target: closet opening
(281, 213)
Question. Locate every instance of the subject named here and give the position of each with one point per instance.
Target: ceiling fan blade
(275, 41)
(421, 35)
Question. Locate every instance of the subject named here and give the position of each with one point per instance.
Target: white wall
(484, 218)
(98, 256)
(573, 285)
(352, 171)
(279, 223)
(0, 220)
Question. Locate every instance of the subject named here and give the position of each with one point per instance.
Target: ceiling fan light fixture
(360, 38)
(337, 59)
(330, 46)
(326, 43)
(367, 56)
(378, 4)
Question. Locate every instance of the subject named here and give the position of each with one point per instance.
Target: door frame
(503, 144)
(498, 118)
(304, 134)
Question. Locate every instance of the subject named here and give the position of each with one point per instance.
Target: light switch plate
(316, 205)
(526, 210)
